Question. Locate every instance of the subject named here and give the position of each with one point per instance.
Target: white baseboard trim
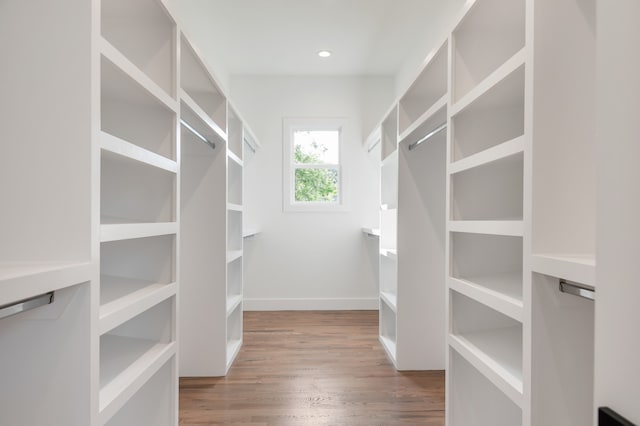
(311, 304)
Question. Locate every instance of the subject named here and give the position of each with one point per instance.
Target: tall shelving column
(138, 214)
(487, 234)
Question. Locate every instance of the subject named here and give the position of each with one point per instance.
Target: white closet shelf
(388, 206)
(373, 232)
(22, 280)
(128, 231)
(126, 364)
(492, 227)
(390, 299)
(233, 255)
(498, 152)
(502, 292)
(390, 253)
(233, 348)
(579, 268)
(510, 66)
(233, 302)
(114, 56)
(389, 347)
(124, 298)
(234, 207)
(416, 128)
(250, 232)
(503, 366)
(234, 157)
(117, 146)
(202, 115)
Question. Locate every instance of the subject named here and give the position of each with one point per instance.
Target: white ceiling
(281, 37)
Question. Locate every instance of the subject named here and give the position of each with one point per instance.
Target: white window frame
(291, 125)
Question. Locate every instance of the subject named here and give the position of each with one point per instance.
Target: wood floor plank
(313, 368)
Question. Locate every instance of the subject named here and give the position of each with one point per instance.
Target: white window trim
(289, 126)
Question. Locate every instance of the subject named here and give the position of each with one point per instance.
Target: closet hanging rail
(576, 289)
(198, 134)
(249, 145)
(373, 145)
(26, 305)
(428, 136)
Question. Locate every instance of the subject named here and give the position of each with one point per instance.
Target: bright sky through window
(317, 146)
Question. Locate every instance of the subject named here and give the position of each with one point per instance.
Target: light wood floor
(313, 368)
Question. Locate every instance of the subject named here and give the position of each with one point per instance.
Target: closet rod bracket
(26, 304)
(576, 289)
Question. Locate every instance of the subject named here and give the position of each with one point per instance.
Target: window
(313, 178)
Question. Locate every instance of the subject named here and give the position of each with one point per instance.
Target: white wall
(310, 260)
(617, 372)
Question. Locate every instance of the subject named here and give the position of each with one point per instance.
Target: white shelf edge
(119, 60)
(121, 310)
(233, 349)
(22, 280)
(391, 300)
(250, 232)
(390, 253)
(197, 110)
(234, 207)
(389, 347)
(132, 151)
(233, 255)
(114, 395)
(508, 67)
(512, 228)
(437, 106)
(128, 231)
(489, 368)
(233, 302)
(234, 157)
(507, 305)
(388, 207)
(373, 232)
(392, 157)
(573, 267)
(498, 152)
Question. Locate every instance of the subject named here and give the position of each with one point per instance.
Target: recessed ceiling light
(324, 53)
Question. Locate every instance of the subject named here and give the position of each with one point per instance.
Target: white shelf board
(373, 232)
(233, 348)
(233, 302)
(234, 157)
(202, 116)
(117, 232)
(388, 206)
(131, 151)
(234, 207)
(416, 125)
(389, 347)
(233, 255)
(496, 355)
(573, 267)
(495, 291)
(490, 227)
(126, 364)
(126, 66)
(511, 65)
(124, 298)
(22, 280)
(390, 299)
(250, 232)
(498, 152)
(390, 253)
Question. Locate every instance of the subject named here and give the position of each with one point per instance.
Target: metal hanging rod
(374, 145)
(26, 304)
(428, 135)
(580, 290)
(249, 145)
(197, 134)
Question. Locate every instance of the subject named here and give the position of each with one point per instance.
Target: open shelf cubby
(388, 329)
(389, 279)
(144, 32)
(389, 181)
(134, 192)
(196, 81)
(235, 133)
(495, 117)
(234, 279)
(490, 33)
(489, 407)
(130, 112)
(388, 229)
(429, 87)
(389, 133)
(234, 182)
(234, 333)
(234, 230)
(491, 191)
